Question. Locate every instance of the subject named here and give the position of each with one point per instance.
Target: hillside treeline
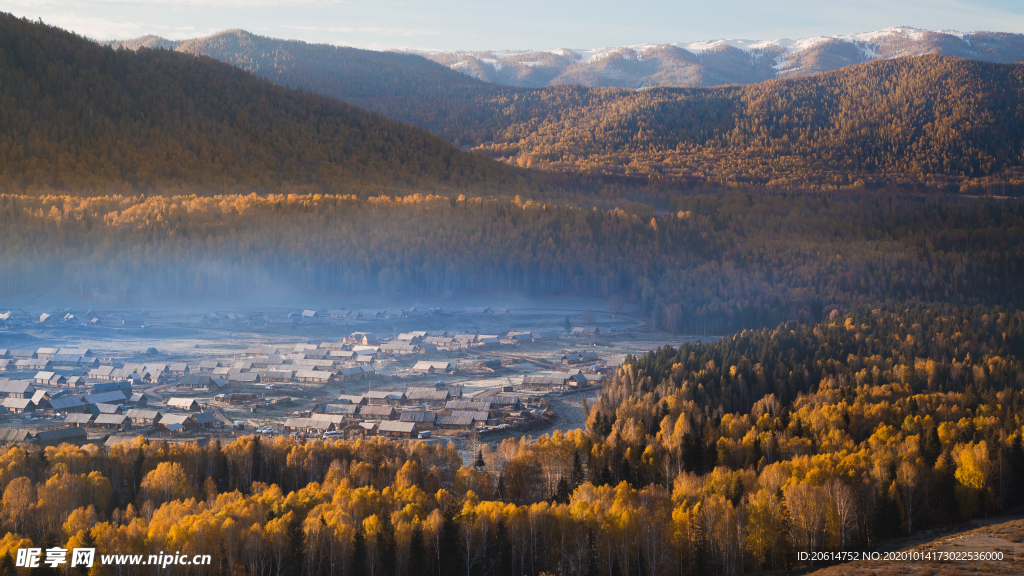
(80, 118)
(719, 458)
(930, 120)
(717, 262)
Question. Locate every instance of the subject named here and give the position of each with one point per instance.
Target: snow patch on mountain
(863, 40)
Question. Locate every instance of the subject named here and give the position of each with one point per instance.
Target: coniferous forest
(855, 237)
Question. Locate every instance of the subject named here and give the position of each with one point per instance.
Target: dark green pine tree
(7, 566)
(562, 492)
(295, 558)
(49, 541)
(886, 520)
(256, 455)
(222, 469)
(448, 552)
(420, 561)
(359, 565)
(386, 546)
(577, 476)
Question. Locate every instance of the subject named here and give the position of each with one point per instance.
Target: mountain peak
(724, 60)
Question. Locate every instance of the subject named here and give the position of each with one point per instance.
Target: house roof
(75, 351)
(65, 403)
(499, 400)
(376, 410)
(349, 409)
(418, 416)
(475, 415)
(428, 364)
(195, 380)
(338, 419)
(539, 380)
(406, 427)
(143, 414)
(384, 395)
(112, 396)
(118, 419)
(417, 393)
(182, 402)
(244, 377)
(308, 423)
(456, 420)
(14, 435)
(204, 418)
(78, 418)
(61, 434)
(314, 374)
(467, 405)
(168, 419)
(102, 408)
(19, 403)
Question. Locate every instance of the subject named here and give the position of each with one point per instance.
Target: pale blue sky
(519, 24)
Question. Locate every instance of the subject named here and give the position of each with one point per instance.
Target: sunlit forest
(717, 458)
(717, 262)
(942, 122)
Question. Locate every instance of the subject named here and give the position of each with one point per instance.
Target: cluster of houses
(106, 406)
(406, 414)
(17, 320)
(46, 359)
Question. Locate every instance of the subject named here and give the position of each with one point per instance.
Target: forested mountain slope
(928, 120)
(77, 116)
(402, 86)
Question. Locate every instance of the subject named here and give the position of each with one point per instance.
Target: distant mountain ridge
(724, 61)
(405, 87)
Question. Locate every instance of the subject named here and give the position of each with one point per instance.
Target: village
(316, 374)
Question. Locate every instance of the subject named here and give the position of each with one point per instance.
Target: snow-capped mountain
(724, 61)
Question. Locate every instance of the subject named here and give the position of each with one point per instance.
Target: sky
(513, 25)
